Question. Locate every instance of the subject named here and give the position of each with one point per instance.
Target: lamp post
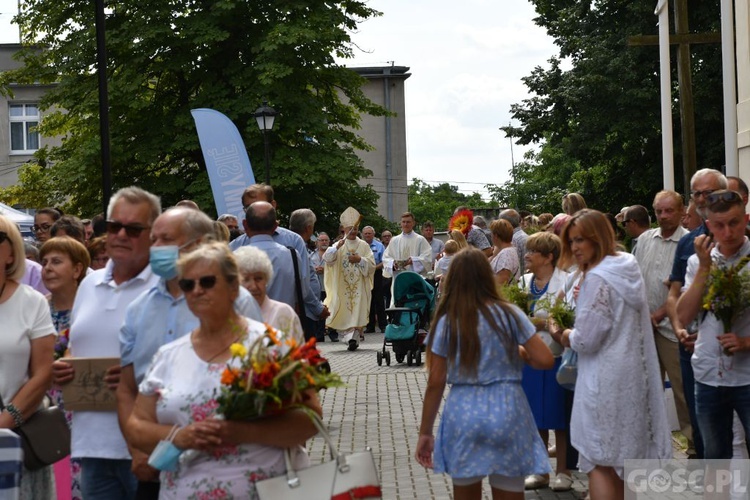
(265, 116)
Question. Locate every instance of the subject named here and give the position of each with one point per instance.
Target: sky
(466, 59)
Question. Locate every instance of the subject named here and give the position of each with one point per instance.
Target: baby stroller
(414, 299)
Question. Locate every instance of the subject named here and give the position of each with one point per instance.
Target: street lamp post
(265, 116)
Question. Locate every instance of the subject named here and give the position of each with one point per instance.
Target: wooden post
(685, 82)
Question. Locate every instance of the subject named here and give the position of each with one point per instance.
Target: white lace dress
(618, 409)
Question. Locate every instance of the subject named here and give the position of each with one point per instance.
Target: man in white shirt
(98, 313)
(408, 251)
(721, 359)
(656, 251)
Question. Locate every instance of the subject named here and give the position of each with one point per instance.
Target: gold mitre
(350, 217)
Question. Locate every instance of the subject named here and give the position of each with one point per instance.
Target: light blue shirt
(377, 251)
(156, 318)
(287, 238)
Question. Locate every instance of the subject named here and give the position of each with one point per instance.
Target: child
(441, 267)
(487, 427)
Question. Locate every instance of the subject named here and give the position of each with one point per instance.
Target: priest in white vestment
(408, 251)
(350, 267)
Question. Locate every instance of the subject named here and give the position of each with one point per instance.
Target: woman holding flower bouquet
(546, 397)
(182, 390)
(487, 428)
(64, 265)
(618, 407)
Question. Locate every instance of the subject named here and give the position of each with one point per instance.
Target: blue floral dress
(486, 425)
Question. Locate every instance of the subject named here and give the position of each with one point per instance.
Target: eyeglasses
(133, 231)
(723, 196)
(704, 193)
(205, 282)
(625, 222)
(3, 237)
(44, 228)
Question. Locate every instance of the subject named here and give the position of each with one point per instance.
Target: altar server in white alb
(408, 251)
(350, 267)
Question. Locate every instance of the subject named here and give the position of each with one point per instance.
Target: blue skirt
(489, 429)
(546, 397)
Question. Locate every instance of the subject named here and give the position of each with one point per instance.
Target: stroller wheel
(380, 358)
(418, 357)
(388, 358)
(409, 358)
(399, 358)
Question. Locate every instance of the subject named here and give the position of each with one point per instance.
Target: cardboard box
(88, 391)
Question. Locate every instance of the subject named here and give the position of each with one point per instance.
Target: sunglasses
(704, 193)
(205, 282)
(133, 231)
(3, 237)
(41, 229)
(723, 196)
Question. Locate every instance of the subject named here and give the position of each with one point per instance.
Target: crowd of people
(638, 291)
(164, 294)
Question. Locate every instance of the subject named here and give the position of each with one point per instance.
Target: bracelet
(15, 413)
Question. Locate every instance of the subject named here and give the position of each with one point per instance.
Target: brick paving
(381, 407)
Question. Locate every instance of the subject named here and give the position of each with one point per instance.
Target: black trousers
(377, 302)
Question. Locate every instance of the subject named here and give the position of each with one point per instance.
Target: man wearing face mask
(160, 315)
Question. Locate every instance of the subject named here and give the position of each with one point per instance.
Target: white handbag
(346, 476)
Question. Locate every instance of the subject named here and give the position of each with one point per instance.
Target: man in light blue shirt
(160, 315)
(263, 192)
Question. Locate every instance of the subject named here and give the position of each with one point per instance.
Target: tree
(437, 203)
(166, 58)
(600, 120)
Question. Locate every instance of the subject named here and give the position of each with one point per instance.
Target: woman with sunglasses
(27, 337)
(618, 406)
(181, 386)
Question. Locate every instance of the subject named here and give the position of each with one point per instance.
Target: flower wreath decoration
(463, 220)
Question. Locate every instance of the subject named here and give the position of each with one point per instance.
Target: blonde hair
(572, 203)
(16, 269)
(546, 244)
(459, 238)
(451, 247)
(217, 252)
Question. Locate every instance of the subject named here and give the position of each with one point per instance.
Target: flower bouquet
(518, 296)
(270, 377)
(728, 293)
(559, 311)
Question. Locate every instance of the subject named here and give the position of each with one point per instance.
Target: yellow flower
(238, 350)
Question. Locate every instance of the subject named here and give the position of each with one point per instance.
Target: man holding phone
(703, 183)
(721, 359)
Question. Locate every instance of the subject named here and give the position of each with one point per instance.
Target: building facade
(387, 134)
(19, 116)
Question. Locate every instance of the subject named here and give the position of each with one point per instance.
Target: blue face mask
(163, 261)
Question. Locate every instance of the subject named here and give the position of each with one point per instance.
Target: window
(23, 121)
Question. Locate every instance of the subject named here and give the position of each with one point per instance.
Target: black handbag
(45, 437)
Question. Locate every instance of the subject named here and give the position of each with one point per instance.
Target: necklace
(535, 291)
(238, 337)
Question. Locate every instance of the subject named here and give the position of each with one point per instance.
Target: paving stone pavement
(381, 407)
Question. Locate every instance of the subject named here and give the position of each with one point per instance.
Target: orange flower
(462, 221)
(228, 376)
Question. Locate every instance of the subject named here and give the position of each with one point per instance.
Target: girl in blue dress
(477, 344)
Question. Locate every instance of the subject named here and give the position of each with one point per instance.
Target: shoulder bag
(45, 437)
(345, 476)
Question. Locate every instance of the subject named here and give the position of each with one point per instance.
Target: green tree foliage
(166, 58)
(437, 203)
(595, 108)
